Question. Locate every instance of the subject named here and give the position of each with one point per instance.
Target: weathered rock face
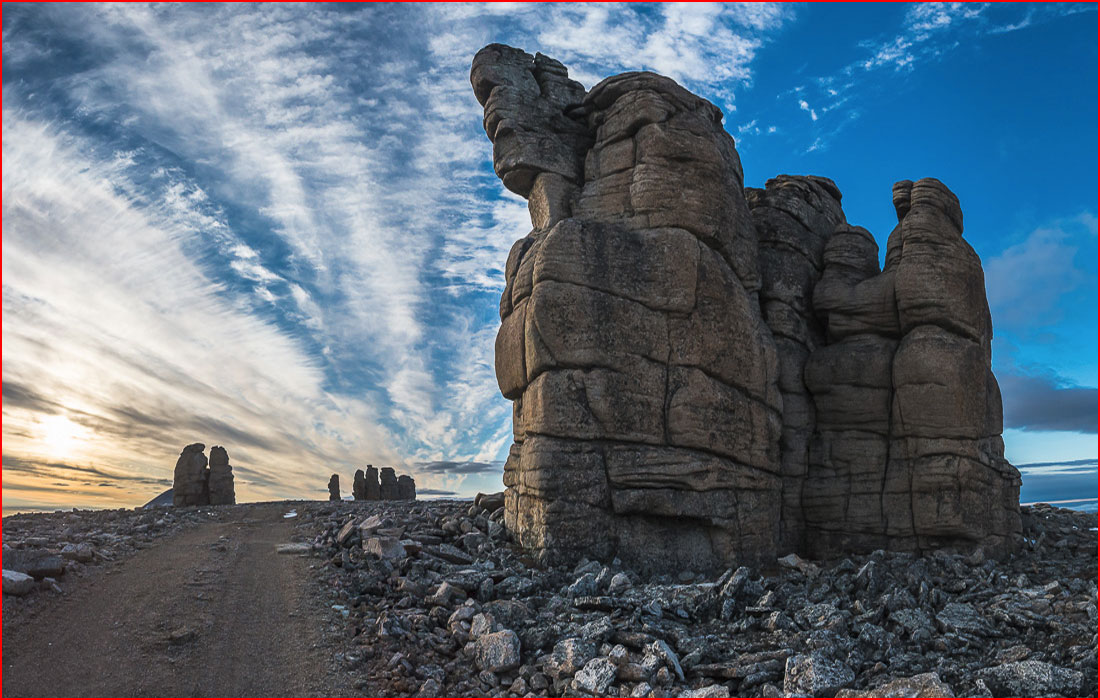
(359, 486)
(794, 216)
(388, 485)
(647, 407)
(221, 478)
(334, 487)
(908, 451)
(406, 488)
(373, 490)
(189, 483)
(702, 374)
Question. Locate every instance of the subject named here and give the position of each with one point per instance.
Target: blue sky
(277, 227)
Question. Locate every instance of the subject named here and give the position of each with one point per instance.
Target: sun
(60, 435)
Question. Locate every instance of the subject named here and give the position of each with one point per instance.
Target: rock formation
(194, 484)
(189, 483)
(794, 217)
(366, 486)
(334, 487)
(703, 374)
(359, 486)
(221, 478)
(406, 488)
(908, 451)
(388, 485)
(373, 489)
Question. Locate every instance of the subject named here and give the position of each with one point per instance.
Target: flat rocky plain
(432, 598)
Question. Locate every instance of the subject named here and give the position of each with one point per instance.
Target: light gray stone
(812, 675)
(1032, 679)
(498, 651)
(17, 583)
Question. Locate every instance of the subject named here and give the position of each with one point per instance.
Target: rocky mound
(435, 600)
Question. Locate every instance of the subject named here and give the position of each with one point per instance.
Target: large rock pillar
(189, 480)
(221, 478)
(647, 414)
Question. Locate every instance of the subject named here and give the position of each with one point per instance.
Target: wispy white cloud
(925, 32)
(805, 107)
(306, 238)
(704, 45)
(119, 329)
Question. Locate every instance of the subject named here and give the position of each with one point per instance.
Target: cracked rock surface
(705, 375)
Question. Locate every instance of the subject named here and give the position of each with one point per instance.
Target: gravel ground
(433, 599)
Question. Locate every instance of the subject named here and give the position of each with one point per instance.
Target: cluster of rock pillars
(195, 483)
(704, 373)
(375, 485)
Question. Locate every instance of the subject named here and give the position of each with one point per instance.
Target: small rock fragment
(596, 676)
(496, 652)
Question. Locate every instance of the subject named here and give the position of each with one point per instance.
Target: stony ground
(435, 601)
(189, 602)
(431, 598)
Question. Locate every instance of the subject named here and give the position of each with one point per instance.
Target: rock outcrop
(194, 484)
(334, 487)
(908, 451)
(221, 478)
(388, 484)
(406, 488)
(190, 485)
(794, 218)
(359, 486)
(647, 411)
(366, 485)
(703, 374)
(373, 488)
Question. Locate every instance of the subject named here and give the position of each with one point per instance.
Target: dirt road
(212, 611)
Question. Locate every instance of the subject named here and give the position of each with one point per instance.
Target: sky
(277, 228)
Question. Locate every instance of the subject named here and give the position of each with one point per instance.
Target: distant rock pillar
(373, 490)
(388, 487)
(189, 480)
(406, 488)
(359, 486)
(334, 488)
(220, 478)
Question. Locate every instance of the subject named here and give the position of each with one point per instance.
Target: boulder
(497, 651)
(334, 487)
(1032, 679)
(82, 552)
(17, 583)
(815, 676)
(596, 676)
(924, 685)
(384, 547)
(37, 563)
(489, 501)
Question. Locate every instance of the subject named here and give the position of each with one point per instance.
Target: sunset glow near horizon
(276, 228)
